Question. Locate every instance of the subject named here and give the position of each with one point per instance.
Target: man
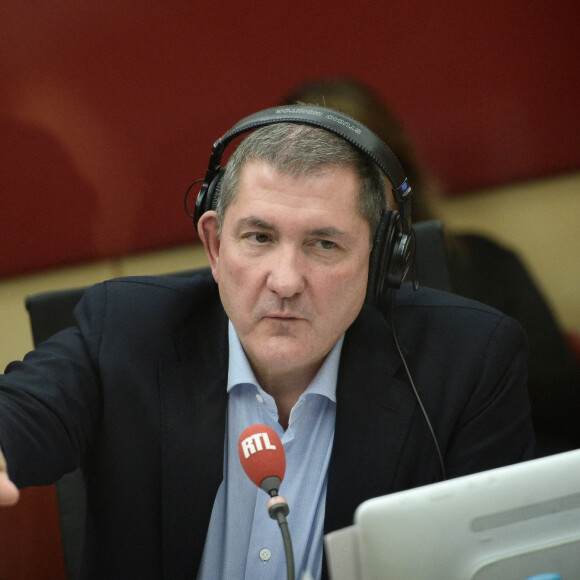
(150, 392)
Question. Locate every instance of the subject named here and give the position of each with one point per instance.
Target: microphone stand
(278, 509)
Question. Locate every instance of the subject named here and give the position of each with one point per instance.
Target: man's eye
(259, 238)
(326, 244)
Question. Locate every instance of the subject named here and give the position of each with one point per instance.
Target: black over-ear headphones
(393, 244)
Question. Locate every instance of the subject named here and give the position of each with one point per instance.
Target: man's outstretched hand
(9, 493)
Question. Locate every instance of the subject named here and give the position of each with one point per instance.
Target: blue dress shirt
(242, 540)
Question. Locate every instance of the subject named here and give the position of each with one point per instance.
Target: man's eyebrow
(323, 232)
(255, 222)
(327, 232)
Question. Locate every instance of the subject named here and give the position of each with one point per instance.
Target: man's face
(291, 264)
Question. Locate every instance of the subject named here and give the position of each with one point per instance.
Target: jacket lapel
(375, 406)
(194, 402)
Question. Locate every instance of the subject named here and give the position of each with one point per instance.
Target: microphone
(264, 461)
(262, 457)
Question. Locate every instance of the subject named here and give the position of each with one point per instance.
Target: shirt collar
(240, 372)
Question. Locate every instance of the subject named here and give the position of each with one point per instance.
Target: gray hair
(298, 150)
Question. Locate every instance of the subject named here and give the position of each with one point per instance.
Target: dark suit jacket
(483, 270)
(137, 395)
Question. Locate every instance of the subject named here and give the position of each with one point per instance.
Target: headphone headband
(338, 123)
(342, 125)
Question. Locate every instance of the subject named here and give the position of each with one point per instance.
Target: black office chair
(50, 312)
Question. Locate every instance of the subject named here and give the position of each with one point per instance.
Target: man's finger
(9, 493)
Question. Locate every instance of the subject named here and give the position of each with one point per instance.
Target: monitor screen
(513, 522)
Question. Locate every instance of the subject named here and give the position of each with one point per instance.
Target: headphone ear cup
(214, 190)
(390, 259)
(401, 259)
(208, 196)
(380, 256)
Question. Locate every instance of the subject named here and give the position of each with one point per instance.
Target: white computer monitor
(507, 523)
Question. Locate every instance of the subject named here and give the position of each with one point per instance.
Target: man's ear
(208, 230)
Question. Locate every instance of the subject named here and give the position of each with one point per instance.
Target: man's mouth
(283, 316)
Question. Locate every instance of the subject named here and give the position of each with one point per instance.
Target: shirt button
(265, 555)
(260, 398)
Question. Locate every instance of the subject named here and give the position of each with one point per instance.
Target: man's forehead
(332, 184)
(297, 170)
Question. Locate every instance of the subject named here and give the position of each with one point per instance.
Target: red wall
(30, 545)
(108, 109)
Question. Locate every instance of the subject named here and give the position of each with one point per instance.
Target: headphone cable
(391, 320)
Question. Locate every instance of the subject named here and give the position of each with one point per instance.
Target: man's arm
(9, 493)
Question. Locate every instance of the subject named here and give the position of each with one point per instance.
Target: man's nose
(287, 272)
